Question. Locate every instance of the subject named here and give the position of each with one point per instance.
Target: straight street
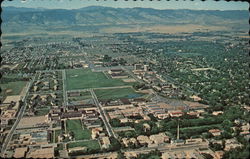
(65, 97)
(103, 114)
(87, 89)
(132, 74)
(18, 118)
(170, 147)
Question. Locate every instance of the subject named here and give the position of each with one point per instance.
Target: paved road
(132, 74)
(45, 92)
(18, 118)
(112, 67)
(88, 89)
(170, 147)
(65, 96)
(49, 70)
(76, 141)
(103, 115)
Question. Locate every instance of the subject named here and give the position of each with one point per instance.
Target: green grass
(91, 144)
(15, 87)
(59, 147)
(57, 133)
(117, 93)
(85, 78)
(76, 127)
(154, 157)
(40, 112)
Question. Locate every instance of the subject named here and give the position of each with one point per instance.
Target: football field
(85, 78)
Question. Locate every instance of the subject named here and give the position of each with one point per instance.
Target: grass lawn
(154, 157)
(59, 147)
(90, 144)
(85, 78)
(117, 93)
(43, 111)
(56, 133)
(76, 127)
(12, 88)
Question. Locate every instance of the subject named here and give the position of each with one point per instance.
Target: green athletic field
(85, 78)
(76, 127)
(117, 93)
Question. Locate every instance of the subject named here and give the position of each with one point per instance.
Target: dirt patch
(8, 91)
(31, 121)
(9, 99)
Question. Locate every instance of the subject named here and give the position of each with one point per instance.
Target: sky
(157, 4)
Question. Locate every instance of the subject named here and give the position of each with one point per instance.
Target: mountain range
(14, 18)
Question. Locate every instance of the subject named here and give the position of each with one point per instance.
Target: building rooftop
(20, 152)
(41, 153)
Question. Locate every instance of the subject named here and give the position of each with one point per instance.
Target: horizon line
(126, 8)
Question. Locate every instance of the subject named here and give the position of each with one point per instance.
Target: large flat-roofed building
(215, 132)
(156, 110)
(105, 142)
(117, 73)
(138, 67)
(182, 154)
(174, 113)
(72, 112)
(6, 116)
(20, 152)
(159, 138)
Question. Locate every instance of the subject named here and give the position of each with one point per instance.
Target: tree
(216, 146)
(115, 144)
(207, 156)
(153, 118)
(120, 155)
(115, 122)
(107, 58)
(139, 85)
(130, 134)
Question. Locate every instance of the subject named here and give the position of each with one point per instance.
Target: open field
(171, 29)
(76, 127)
(82, 79)
(91, 144)
(27, 122)
(12, 88)
(43, 111)
(117, 93)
